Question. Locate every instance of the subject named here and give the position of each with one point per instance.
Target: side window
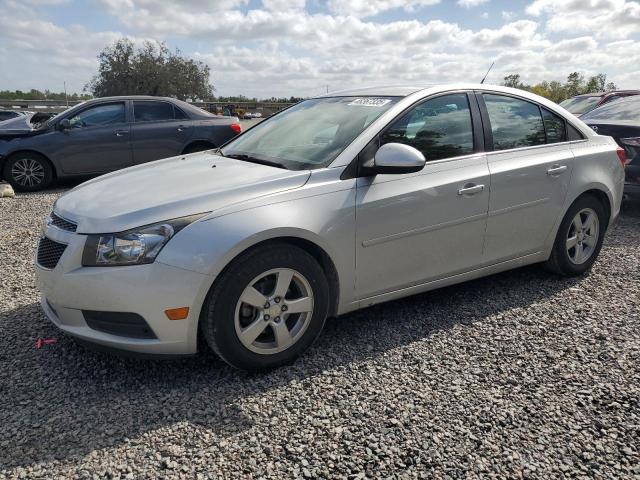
(152, 111)
(179, 114)
(108, 114)
(554, 126)
(439, 128)
(514, 123)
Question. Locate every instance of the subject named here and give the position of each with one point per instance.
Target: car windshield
(625, 110)
(580, 105)
(308, 135)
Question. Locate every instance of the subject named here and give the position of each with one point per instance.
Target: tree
(150, 70)
(513, 81)
(557, 91)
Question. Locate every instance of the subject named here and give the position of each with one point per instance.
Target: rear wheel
(267, 308)
(579, 238)
(28, 172)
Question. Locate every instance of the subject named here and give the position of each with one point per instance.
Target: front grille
(63, 224)
(49, 252)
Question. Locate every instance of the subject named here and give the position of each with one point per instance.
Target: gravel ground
(518, 375)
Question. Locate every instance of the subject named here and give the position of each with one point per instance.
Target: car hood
(19, 127)
(170, 188)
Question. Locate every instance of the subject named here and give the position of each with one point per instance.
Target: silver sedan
(337, 203)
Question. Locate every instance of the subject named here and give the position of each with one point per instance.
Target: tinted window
(152, 111)
(180, 115)
(108, 114)
(627, 109)
(439, 128)
(514, 123)
(554, 127)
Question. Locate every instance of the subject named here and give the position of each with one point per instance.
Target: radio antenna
(485, 75)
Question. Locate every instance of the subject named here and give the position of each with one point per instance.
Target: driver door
(417, 227)
(97, 142)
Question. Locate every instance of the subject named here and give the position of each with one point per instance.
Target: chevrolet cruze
(337, 203)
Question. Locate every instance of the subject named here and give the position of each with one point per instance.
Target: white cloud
(603, 18)
(471, 3)
(367, 8)
(507, 16)
(279, 48)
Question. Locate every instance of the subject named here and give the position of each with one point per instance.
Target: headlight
(133, 247)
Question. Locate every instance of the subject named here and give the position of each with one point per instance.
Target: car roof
(406, 90)
(131, 97)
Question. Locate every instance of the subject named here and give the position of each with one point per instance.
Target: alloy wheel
(274, 311)
(27, 172)
(582, 237)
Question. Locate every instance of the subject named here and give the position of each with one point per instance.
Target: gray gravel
(518, 375)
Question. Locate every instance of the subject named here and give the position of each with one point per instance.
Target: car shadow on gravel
(63, 401)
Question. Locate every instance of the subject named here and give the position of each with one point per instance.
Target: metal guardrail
(60, 105)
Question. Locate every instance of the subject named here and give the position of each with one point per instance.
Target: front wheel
(267, 308)
(579, 238)
(28, 172)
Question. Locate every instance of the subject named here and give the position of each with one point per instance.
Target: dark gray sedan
(103, 135)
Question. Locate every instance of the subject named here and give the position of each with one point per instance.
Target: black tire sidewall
(48, 172)
(218, 323)
(563, 262)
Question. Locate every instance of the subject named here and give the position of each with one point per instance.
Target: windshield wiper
(252, 159)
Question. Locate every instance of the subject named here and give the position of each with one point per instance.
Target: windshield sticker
(369, 102)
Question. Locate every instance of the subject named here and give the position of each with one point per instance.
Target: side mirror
(64, 124)
(396, 158)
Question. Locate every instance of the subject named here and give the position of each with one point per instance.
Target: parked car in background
(335, 204)
(106, 134)
(7, 114)
(247, 116)
(581, 104)
(621, 120)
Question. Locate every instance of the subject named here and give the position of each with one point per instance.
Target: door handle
(470, 189)
(181, 128)
(121, 133)
(557, 170)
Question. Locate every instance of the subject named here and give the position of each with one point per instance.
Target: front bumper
(146, 290)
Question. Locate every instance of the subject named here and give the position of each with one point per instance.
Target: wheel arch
(312, 248)
(198, 142)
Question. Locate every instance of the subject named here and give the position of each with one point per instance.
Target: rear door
(97, 142)
(159, 130)
(530, 165)
(423, 226)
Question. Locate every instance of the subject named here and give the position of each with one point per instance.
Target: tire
(566, 261)
(226, 317)
(28, 172)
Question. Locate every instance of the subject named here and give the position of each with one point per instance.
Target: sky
(266, 48)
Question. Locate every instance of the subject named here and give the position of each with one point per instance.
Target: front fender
(326, 219)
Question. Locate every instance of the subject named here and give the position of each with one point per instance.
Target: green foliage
(557, 91)
(34, 94)
(150, 70)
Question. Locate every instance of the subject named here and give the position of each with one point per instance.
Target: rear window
(626, 110)
(152, 111)
(580, 105)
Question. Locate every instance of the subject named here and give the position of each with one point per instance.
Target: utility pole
(327, 88)
(65, 93)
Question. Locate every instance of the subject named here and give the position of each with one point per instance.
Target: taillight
(622, 156)
(236, 127)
